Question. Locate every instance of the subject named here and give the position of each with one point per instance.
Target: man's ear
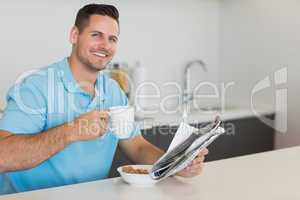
(73, 35)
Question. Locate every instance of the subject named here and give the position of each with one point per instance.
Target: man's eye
(95, 34)
(114, 40)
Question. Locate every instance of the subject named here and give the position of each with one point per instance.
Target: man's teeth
(100, 54)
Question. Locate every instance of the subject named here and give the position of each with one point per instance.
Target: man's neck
(85, 78)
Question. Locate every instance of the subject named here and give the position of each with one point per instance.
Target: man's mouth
(100, 54)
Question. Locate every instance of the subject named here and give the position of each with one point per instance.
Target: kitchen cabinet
(243, 136)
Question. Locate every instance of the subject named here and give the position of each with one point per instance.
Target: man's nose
(105, 44)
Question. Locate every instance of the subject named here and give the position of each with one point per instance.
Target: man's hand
(196, 167)
(89, 126)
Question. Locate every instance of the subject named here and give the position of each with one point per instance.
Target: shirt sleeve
(25, 112)
(5, 185)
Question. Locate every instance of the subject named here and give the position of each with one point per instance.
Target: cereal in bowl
(131, 170)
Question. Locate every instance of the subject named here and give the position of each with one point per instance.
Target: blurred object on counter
(121, 75)
(139, 92)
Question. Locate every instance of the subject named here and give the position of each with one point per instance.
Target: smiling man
(54, 128)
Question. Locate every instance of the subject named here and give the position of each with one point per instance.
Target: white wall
(258, 37)
(162, 35)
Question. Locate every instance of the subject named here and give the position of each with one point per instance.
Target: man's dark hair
(83, 15)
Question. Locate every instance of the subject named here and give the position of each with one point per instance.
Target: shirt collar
(72, 85)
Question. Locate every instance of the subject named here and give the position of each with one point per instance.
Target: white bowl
(140, 180)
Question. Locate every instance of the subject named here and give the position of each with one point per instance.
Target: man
(54, 128)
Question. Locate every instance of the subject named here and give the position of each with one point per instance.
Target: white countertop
(266, 176)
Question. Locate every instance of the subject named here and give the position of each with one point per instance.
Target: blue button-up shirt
(48, 98)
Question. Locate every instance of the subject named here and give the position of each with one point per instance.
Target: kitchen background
(241, 41)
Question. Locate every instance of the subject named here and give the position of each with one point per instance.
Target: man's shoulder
(37, 78)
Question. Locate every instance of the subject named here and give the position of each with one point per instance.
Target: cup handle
(110, 123)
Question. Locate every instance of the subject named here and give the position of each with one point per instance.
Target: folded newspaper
(185, 146)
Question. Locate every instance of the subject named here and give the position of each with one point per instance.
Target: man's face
(96, 45)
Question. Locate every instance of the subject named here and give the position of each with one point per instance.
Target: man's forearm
(18, 152)
(148, 154)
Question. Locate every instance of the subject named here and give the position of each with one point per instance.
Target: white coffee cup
(122, 121)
